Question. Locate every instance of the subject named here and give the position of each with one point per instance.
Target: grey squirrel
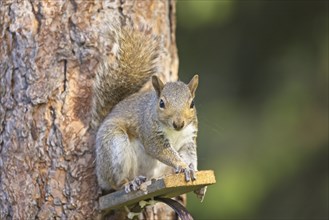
(142, 135)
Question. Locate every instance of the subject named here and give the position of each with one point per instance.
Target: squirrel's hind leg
(134, 184)
(116, 160)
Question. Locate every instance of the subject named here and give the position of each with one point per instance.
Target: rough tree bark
(47, 63)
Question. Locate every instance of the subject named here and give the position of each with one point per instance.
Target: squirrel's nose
(178, 125)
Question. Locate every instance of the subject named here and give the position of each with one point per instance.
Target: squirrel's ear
(157, 84)
(193, 84)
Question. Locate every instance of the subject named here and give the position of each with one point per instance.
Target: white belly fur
(178, 138)
(151, 167)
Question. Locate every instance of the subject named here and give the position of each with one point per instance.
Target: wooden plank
(168, 187)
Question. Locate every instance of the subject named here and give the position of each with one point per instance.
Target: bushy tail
(135, 53)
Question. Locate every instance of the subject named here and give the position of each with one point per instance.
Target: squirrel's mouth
(174, 126)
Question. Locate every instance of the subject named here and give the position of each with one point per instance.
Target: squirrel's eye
(192, 104)
(161, 104)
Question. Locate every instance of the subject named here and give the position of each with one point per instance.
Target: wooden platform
(167, 187)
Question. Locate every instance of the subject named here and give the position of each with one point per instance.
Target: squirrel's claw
(191, 166)
(188, 171)
(134, 184)
(187, 175)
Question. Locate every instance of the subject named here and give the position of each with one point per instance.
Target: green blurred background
(262, 105)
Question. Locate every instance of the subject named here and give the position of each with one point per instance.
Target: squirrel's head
(175, 106)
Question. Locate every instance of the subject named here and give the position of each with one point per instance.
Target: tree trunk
(47, 63)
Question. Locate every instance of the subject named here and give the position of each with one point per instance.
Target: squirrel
(142, 135)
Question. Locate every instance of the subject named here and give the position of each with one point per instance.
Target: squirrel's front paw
(188, 171)
(134, 184)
